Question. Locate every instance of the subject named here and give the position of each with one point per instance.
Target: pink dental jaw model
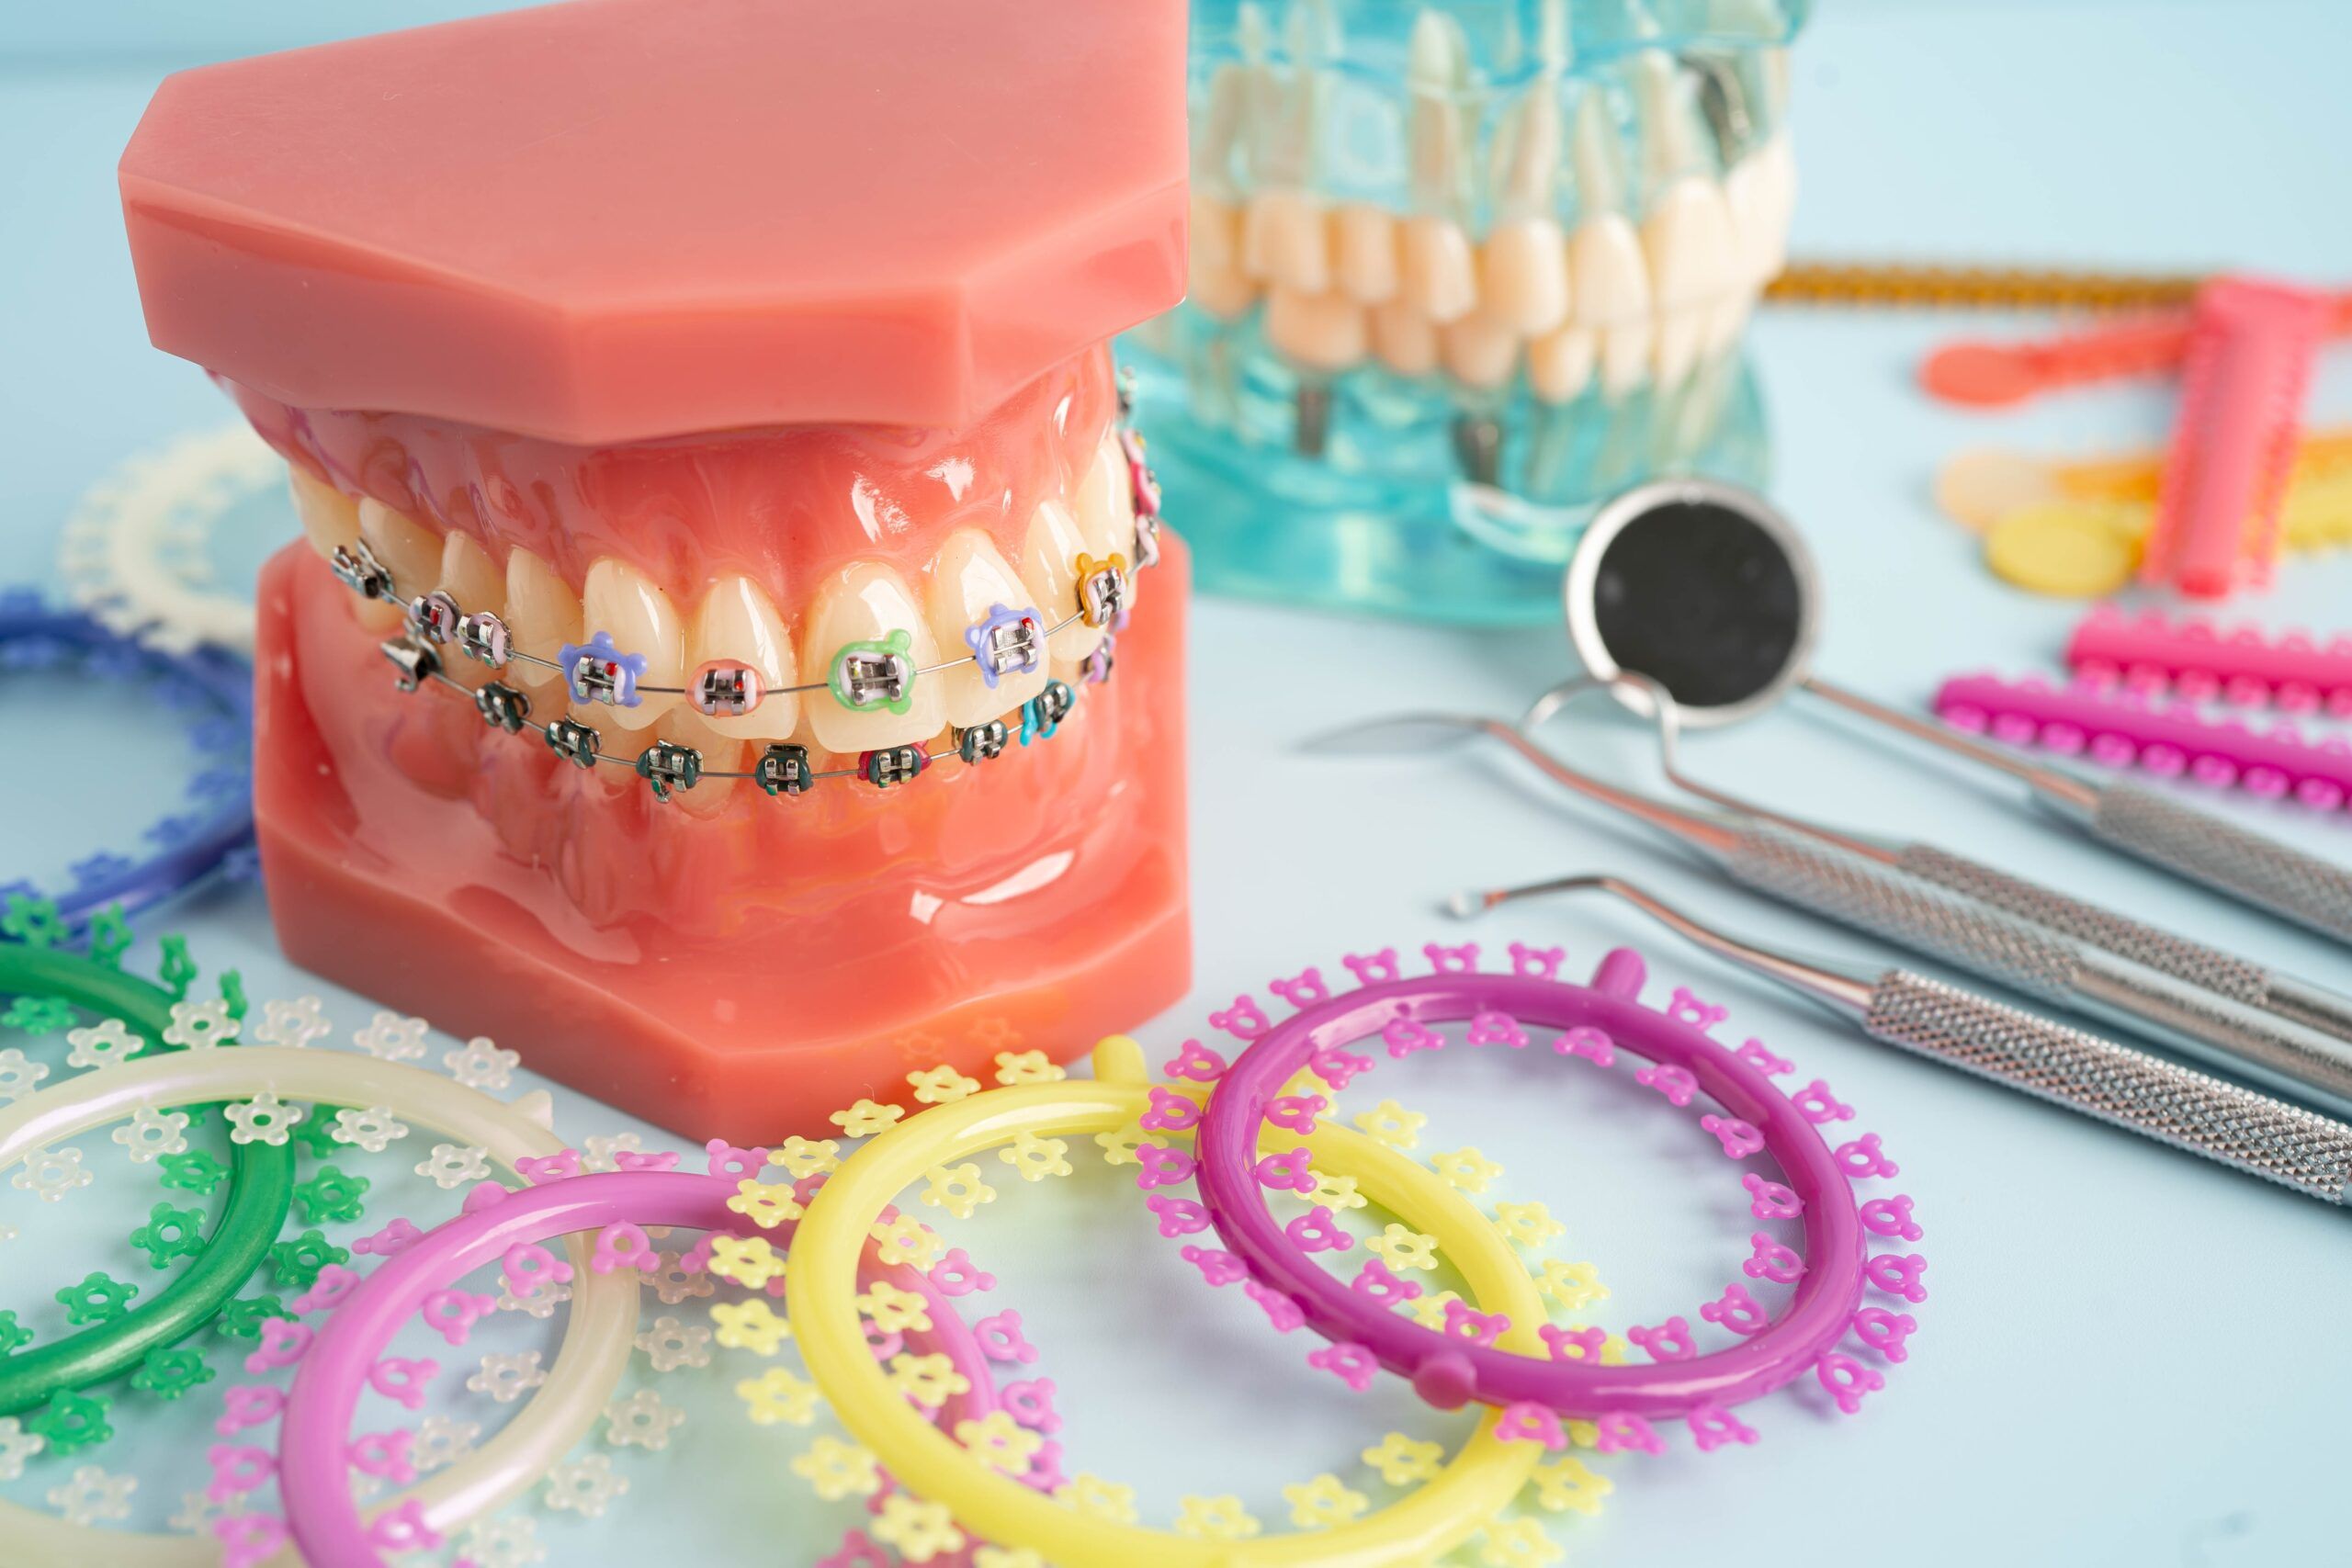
(741, 335)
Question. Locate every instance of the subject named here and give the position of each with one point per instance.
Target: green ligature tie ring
(261, 1190)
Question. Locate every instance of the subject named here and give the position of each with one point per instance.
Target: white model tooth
(1559, 367)
(1480, 350)
(1320, 332)
(970, 577)
(1724, 322)
(1364, 239)
(410, 550)
(542, 614)
(330, 518)
(473, 579)
(868, 601)
(1692, 265)
(1440, 270)
(1676, 141)
(1405, 340)
(1777, 180)
(1436, 71)
(1218, 284)
(1525, 279)
(1610, 291)
(1598, 154)
(1776, 85)
(720, 754)
(1103, 503)
(1217, 133)
(1747, 202)
(1287, 241)
(617, 598)
(1048, 565)
(737, 620)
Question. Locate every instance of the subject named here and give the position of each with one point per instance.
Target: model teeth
(866, 619)
(1286, 241)
(1610, 290)
(1693, 255)
(970, 579)
(542, 614)
(738, 622)
(1105, 509)
(1364, 239)
(473, 580)
(330, 518)
(409, 550)
(1320, 332)
(1525, 277)
(1680, 209)
(618, 600)
(1404, 338)
(1050, 567)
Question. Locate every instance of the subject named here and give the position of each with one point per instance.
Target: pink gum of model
(656, 304)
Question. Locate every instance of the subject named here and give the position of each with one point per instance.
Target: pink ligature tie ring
(1446, 1371)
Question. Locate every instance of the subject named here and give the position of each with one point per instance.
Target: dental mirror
(1702, 586)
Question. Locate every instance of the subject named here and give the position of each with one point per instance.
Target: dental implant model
(1459, 273)
(707, 409)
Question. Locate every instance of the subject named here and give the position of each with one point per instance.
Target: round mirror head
(1701, 586)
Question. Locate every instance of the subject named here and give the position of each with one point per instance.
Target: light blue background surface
(2128, 1356)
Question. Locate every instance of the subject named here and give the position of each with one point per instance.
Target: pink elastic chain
(2130, 731)
(2195, 660)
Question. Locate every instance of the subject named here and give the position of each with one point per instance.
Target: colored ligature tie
(874, 675)
(979, 1488)
(213, 835)
(1826, 1328)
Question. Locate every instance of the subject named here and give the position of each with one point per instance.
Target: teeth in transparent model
(867, 603)
(1439, 270)
(1321, 332)
(1405, 340)
(542, 614)
(737, 620)
(969, 577)
(1216, 282)
(1287, 241)
(1480, 352)
(618, 599)
(1365, 241)
(1688, 239)
(1048, 557)
(1525, 276)
(1560, 364)
(1610, 292)
(330, 519)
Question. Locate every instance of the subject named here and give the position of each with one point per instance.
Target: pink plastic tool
(2195, 660)
(2233, 440)
(1977, 374)
(2129, 730)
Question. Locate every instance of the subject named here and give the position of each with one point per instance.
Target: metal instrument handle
(2261, 871)
(1880, 901)
(2207, 968)
(2115, 1084)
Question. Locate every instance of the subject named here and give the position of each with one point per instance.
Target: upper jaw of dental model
(877, 674)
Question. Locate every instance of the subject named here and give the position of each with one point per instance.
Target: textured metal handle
(1882, 902)
(2125, 1088)
(2207, 968)
(2263, 871)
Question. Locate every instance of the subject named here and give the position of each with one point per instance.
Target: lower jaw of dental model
(1429, 311)
(732, 776)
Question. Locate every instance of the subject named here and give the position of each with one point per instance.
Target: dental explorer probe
(2112, 1083)
(2191, 963)
(2282, 1052)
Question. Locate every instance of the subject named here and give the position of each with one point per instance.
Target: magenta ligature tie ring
(1596, 1020)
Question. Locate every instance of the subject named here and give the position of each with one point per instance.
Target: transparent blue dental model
(1460, 271)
